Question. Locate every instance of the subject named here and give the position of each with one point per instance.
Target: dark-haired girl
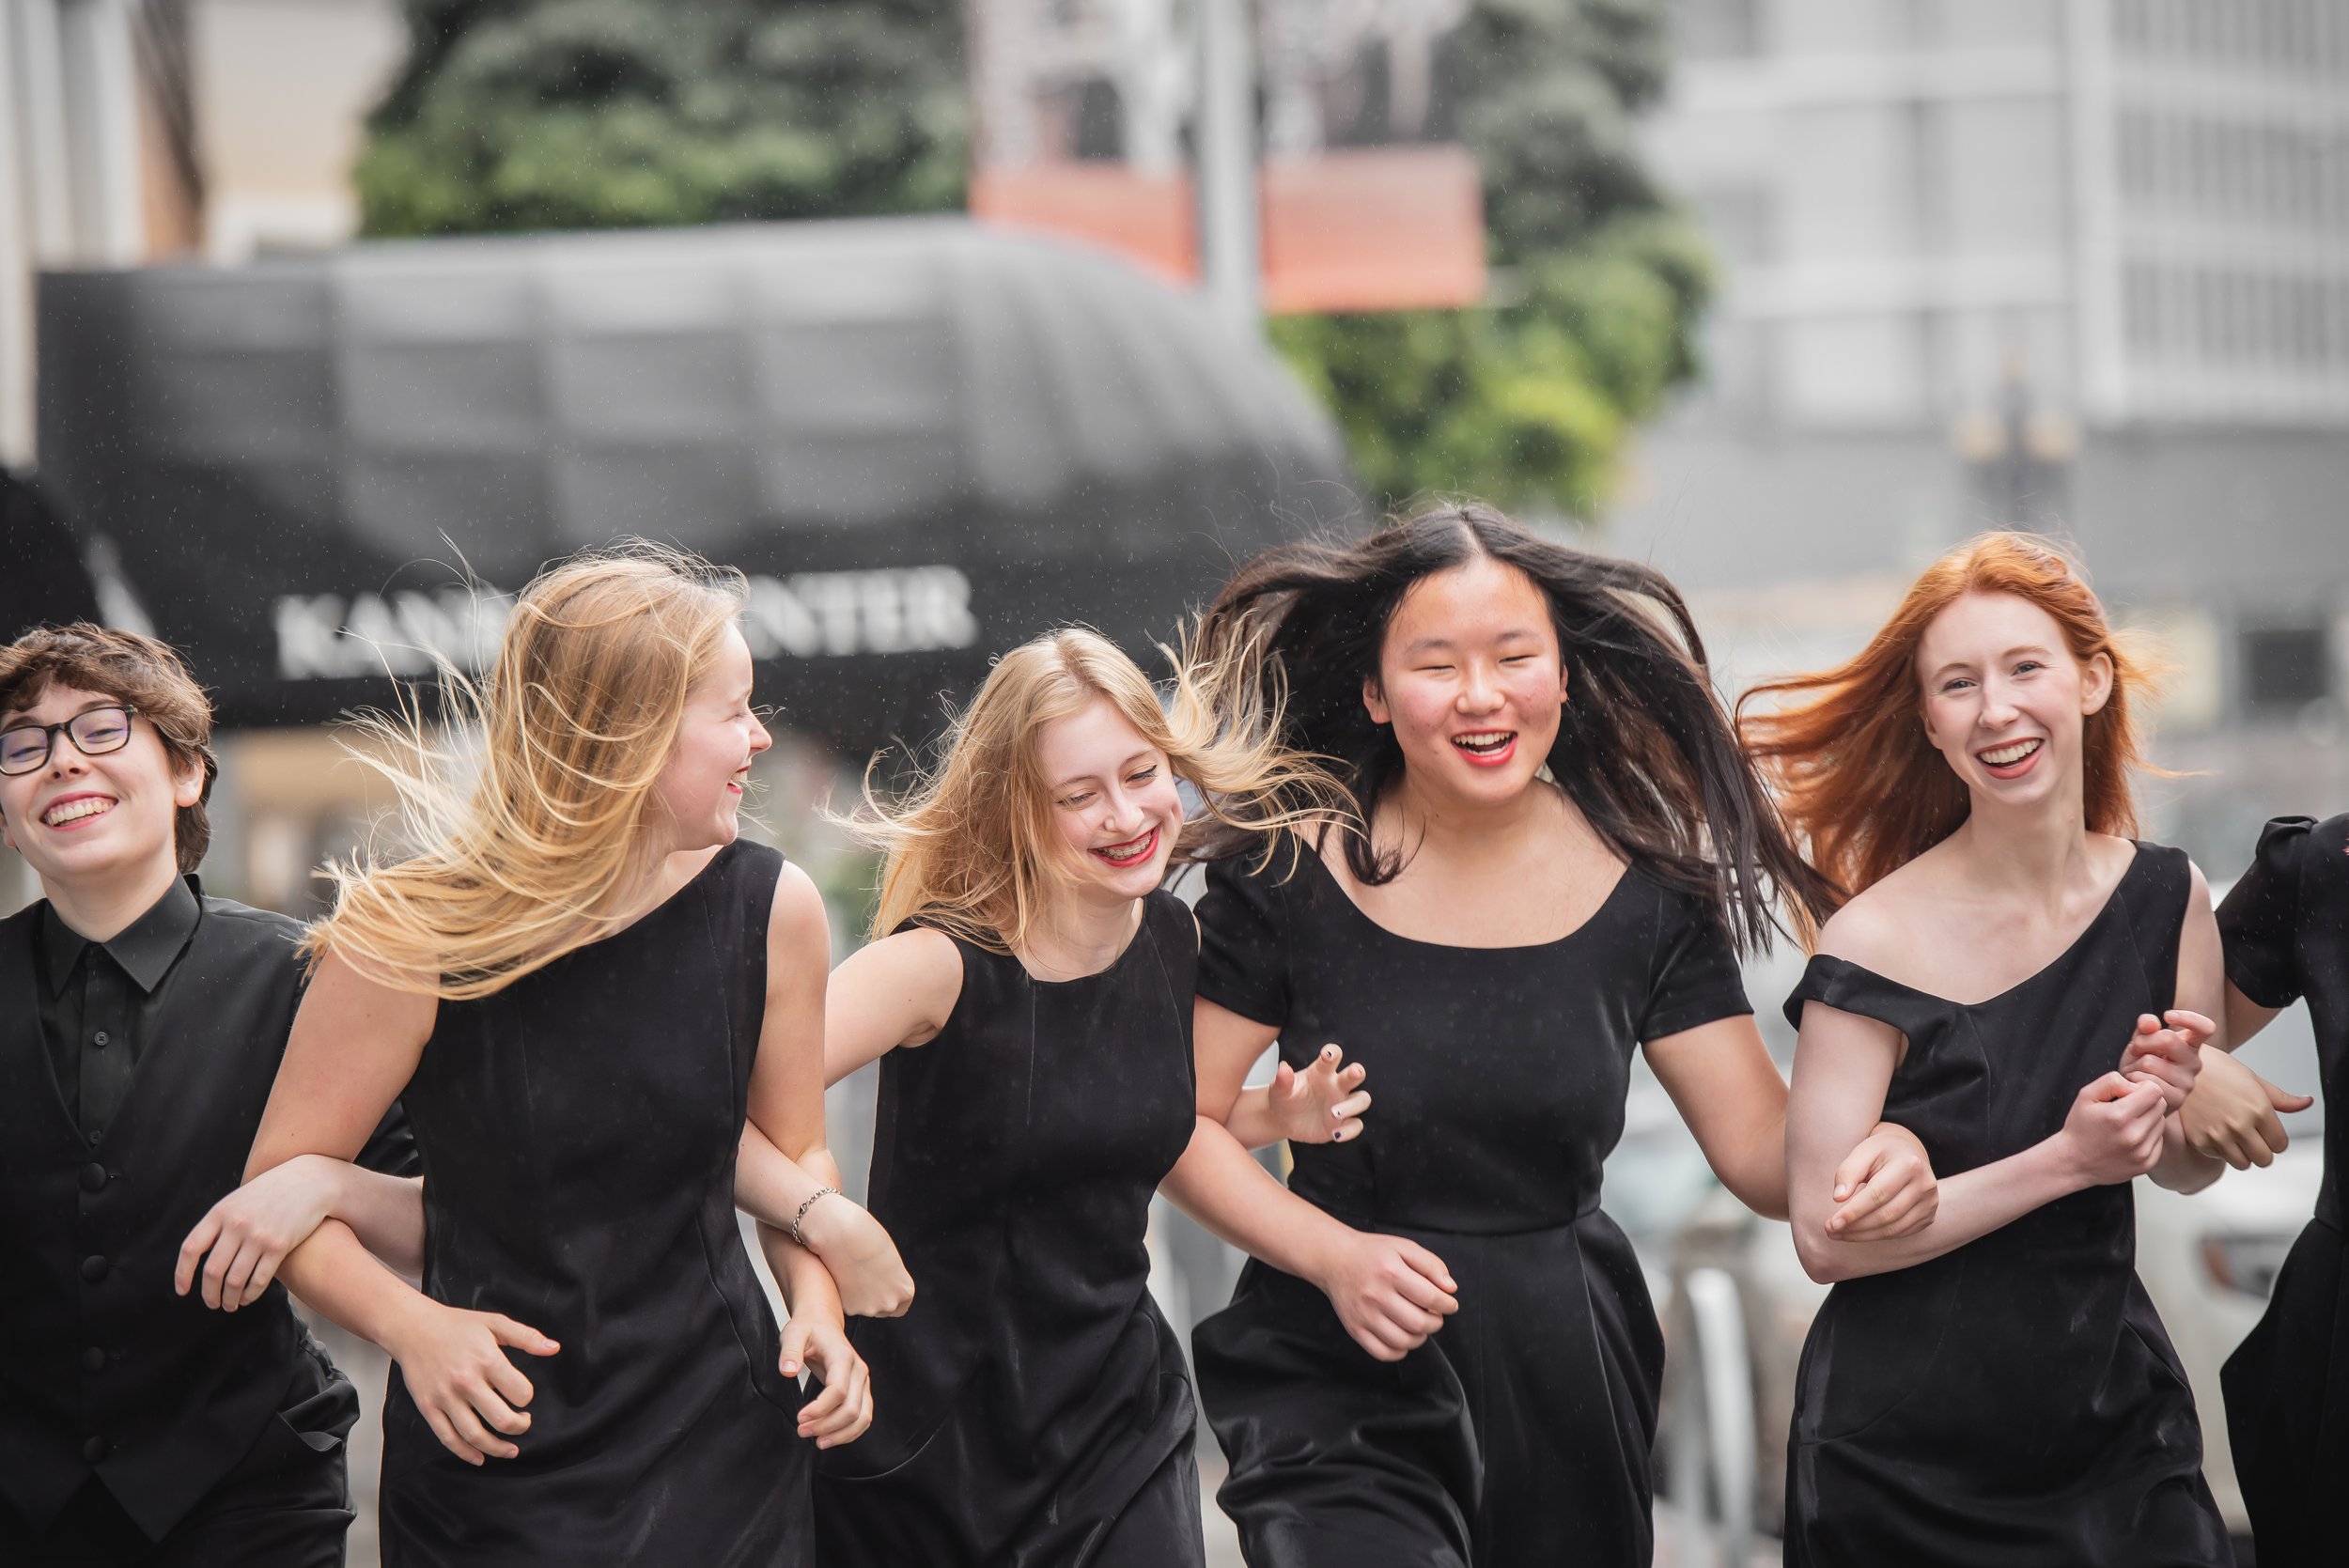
(1443, 1352)
(1996, 1388)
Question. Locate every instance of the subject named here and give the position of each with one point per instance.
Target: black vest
(101, 1367)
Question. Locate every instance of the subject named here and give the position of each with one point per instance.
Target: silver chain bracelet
(806, 1203)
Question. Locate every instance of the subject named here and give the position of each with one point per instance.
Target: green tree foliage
(1530, 401)
(520, 115)
(516, 115)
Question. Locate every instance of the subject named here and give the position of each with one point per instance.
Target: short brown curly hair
(139, 671)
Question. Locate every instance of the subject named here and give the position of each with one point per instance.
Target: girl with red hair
(1997, 1381)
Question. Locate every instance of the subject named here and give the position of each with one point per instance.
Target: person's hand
(457, 1373)
(1324, 1104)
(2166, 1052)
(2114, 1130)
(842, 1412)
(1390, 1292)
(248, 1232)
(863, 1259)
(1886, 1188)
(2231, 1113)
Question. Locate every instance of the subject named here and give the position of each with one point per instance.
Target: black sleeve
(1694, 978)
(390, 1148)
(1243, 940)
(2260, 920)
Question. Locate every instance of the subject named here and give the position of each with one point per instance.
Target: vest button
(93, 1177)
(93, 1360)
(101, 1037)
(94, 1450)
(94, 1268)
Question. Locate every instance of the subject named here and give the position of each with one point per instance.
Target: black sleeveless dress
(1030, 1410)
(1519, 1433)
(578, 1131)
(2286, 925)
(2015, 1401)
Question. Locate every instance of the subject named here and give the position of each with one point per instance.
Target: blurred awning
(923, 441)
(45, 578)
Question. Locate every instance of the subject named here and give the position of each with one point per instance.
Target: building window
(2285, 669)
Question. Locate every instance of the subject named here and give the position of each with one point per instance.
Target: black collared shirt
(97, 1001)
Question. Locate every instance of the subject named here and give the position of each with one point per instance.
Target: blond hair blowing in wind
(523, 853)
(970, 846)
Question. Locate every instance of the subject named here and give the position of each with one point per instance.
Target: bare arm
(2243, 1018)
(1721, 1080)
(898, 991)
(774, 1182)
(355, 1044)
(1390, 1292)
(2201, 993)
(1843, 1066)
(1727, 1089)
(235, 1250)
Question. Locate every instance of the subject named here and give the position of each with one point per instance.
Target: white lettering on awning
(805, 615)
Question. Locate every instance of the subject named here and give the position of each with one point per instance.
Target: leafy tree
(516, 115)
(520, 115)
(1529, 402)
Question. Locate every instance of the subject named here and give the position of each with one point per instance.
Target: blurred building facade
(2080, 266)
(137, 130)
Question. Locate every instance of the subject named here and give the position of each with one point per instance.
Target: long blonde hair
(518, 852)
(970, 844)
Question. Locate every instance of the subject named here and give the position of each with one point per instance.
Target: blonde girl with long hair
(591, 995)
(1030, 996)
(2017, 981)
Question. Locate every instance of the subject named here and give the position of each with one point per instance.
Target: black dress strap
(1849, 988)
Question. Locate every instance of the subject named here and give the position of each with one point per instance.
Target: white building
(2136, 213)
(2145, 201)
(133, 130)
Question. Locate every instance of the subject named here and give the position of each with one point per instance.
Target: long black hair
(1644, 748)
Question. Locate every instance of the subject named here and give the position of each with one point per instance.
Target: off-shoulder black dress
(1030, 1410)
(2286, 925)
(578, 1130)
(2015, 1401)
(1519, 1433)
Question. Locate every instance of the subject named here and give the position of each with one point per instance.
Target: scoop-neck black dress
(578, 1130)
(1030, 1410)
(2286, 927)
(2015, 1401)
(1519, 1433)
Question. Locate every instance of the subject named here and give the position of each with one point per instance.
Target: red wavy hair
(1849, 759)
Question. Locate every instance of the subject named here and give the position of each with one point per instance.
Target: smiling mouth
(1130, 853)
(1486, 745)
(80, 809)
(2007, 757)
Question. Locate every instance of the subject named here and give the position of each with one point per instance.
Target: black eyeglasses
(94, 734)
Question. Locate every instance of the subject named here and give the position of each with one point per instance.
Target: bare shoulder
(346, 988)
(914, 976)
(2198, 891)
(796, 924)
(1868, 930)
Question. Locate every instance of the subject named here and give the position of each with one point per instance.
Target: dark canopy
(923, 439)
(42, 577)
